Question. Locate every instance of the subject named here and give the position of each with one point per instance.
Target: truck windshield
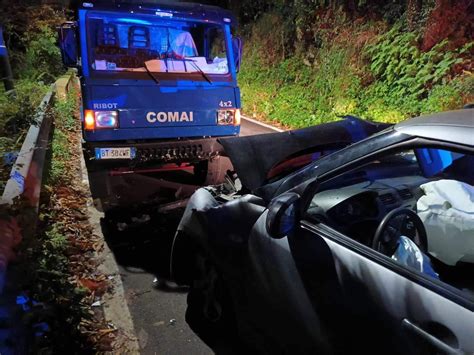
(136, 45)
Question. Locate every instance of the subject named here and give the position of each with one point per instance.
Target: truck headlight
(228, 117)
(100, 119)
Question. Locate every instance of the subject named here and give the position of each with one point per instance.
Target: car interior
(415, 206)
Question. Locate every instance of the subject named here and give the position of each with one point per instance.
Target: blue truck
(158, 83)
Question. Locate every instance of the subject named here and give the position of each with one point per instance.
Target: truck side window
(216, 44)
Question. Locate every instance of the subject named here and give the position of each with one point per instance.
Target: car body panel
(373, 300)
(199, 102)
(317, 288)
(269, 286)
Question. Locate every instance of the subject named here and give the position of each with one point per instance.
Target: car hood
(254, 156)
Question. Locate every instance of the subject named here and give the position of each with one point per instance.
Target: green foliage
(19, 109)
(42, 60)
(52, 251)
(404, 74)
(60, 154)
(297, 95)
(36, 62)
(17, 114)
(64, 122)
(444, 97)
(389, 80)
(65, 111)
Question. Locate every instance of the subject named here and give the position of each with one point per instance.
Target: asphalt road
(140, 239)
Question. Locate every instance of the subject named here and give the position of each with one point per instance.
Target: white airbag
(447, 211)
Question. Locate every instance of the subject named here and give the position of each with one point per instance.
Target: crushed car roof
(434, 126)
(254, 156)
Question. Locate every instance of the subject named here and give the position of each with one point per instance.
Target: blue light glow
(106, 119)
(134, 20)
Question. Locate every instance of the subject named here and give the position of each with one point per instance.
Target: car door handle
(429, 338)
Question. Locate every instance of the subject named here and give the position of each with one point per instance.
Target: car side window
(414, 206)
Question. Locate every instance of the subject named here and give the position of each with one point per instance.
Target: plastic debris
(172, 322)
(23, 300)
(96, 304)
(9, 158)
(409, 254)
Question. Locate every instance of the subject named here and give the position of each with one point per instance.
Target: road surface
(140, 239)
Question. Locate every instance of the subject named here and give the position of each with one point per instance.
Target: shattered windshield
(149, 44)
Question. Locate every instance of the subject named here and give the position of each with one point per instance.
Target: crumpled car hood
(254, 156)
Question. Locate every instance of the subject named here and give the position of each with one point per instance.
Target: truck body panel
(158, 86)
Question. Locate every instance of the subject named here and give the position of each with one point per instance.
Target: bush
(36, 62)
(346, 67)
(405, 74)
(43, 57)
(298, 95)
(19, 110)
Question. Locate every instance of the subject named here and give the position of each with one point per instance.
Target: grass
(64, 123)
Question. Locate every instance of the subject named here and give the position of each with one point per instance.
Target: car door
(370, 303)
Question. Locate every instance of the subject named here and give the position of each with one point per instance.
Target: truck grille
(191, 151)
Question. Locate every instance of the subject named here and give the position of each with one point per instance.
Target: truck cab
(158, 82)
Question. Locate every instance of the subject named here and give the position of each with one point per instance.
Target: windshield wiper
(155, 79)
(204, 75)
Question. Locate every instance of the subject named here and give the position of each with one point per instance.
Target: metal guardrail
(25, 176)
(21, 195)
(19, 207)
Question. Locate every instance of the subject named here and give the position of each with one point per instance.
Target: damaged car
(347, 237)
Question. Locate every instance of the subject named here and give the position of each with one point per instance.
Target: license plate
(115, 153)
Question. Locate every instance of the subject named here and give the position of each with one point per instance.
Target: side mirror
(283, 214)
(68, 44)
(237, 48)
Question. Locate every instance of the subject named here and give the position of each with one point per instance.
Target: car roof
(450, 126)
(179, 9)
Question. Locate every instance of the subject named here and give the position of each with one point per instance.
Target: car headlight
(100, 119)
(228, 117)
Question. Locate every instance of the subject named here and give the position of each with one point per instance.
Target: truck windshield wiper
(204, 75)
(155, 79)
